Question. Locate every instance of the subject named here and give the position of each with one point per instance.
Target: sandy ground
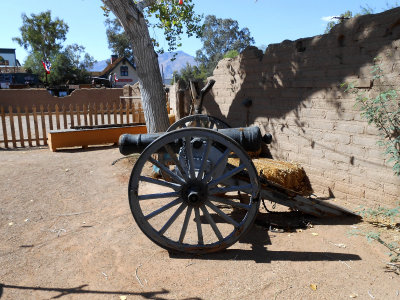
(67, 232)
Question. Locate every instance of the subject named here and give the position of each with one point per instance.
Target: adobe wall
(295, 94)
(30, 97)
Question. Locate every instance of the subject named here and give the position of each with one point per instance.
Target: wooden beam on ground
(309, 206)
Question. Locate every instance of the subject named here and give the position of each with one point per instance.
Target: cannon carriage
(207, 193)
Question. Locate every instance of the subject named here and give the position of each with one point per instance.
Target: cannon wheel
(187, 213)
(199, 120)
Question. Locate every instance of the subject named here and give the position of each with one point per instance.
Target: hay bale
(288, 175)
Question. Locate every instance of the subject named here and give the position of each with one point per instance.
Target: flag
(115, 77)
(47, 66)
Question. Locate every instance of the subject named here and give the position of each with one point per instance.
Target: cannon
(207, 194)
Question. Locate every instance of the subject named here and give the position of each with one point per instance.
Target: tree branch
(141, 5)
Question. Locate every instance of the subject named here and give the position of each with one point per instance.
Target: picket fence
(29, 126)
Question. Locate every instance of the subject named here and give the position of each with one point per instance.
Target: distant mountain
(180, 62)
(99, 66)
(164, 61)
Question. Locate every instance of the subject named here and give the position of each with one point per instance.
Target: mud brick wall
(295, 95)
(30, 97)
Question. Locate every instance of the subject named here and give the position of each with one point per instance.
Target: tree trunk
(148, 70)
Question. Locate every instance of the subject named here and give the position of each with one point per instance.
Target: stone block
(349, 189)
(323, 164)
(350, 127)
(365, 140)
(336, 137)
(336, 156)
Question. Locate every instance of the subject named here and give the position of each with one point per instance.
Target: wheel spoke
(176, 161)
(189, 156)
(173, 176)
(222, 214)
(218, 164)
(160, 182)
(212, 223)
(226, 175)
(230, 202)
(198, 224)
(158, 196)
(162, 209)
(172, 219)
(204, 160)
(185, 224)
(234, 188)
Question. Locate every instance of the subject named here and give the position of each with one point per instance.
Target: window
(124, 70)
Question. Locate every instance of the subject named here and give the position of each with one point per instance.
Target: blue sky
(269, 21)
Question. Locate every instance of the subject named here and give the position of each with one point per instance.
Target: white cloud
(328, 19)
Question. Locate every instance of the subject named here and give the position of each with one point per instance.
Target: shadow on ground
(79, 290)
(259, 239)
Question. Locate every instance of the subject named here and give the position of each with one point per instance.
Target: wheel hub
(194, 193)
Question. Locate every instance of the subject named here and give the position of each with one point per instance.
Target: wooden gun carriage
(208, 192)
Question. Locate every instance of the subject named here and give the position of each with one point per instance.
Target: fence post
(35, 121)
(108, 113)
(78, 114)
(71, 115)
(43, 120)
(20, 127)
(96, 121)
(127, 111)
(50, 117)
(85, 116)
(64, 111)
(133, 113)
(57, 117)
(3, 124)
(28, 125)
(102, 113)
(90, 114)
(11, 117)
(115, 112)
(141, 114)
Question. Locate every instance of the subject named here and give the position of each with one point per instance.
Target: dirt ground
(67, 232)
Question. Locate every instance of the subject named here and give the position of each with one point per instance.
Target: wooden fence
(29, 127)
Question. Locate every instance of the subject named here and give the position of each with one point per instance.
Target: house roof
(112, 66)
(7, 50)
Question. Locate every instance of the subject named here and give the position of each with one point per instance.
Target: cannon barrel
(249, 138)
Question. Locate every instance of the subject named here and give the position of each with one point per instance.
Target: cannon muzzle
(249, 138)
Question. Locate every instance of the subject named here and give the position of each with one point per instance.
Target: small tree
(219, 37)
(43, 37)
(41, 34)
(189, 73)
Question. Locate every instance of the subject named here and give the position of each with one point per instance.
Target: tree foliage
(174, 19)
(41, 34)
(190, 73)
(118, 41)
(43, 38)
(219, 37)
(165, 15)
